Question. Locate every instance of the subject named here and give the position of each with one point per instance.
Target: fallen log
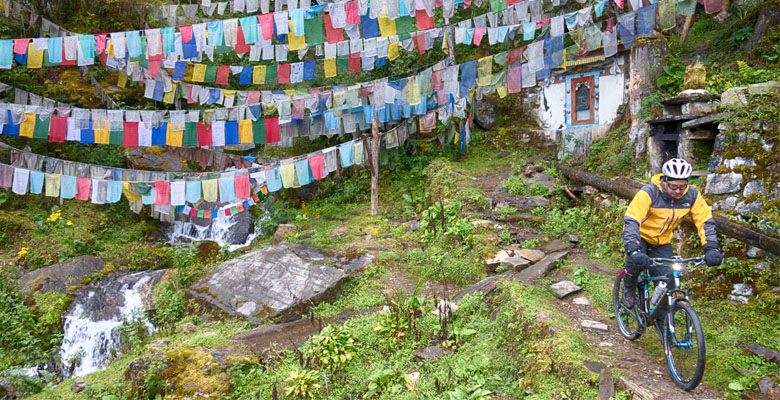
(723, 226)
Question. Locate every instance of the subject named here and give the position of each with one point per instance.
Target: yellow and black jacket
(653, 215)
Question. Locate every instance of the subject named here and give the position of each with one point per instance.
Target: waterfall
(226, 230)
(93, 320)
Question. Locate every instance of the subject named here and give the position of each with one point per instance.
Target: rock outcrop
(61, 276)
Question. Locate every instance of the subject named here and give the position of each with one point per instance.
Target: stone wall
(744, 178)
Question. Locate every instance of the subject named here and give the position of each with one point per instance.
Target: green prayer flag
(223, 50)
(686, 7)
(200, 213)
(497, 5)
(234, 210)
(41, 130)
(116, 137)
(190, 137)
(211, 74)
(403, 25)
(270, 73)
(500, 58)
(342, 65)
(142, 57)
(313, 29)
(258, 131)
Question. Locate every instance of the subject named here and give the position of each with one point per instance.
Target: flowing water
(221, 230)
(92, 324)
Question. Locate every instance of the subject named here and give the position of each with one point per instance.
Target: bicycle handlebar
(677, 259)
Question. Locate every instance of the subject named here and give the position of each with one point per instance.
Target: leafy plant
(537, 189)
(382, 380)
(514, 185)
(672, 77)
(302, 383)
(530, 243)
(169, 305)
(504, 211)
(581, 276)
(334, 346)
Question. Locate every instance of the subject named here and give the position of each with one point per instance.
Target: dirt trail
(643, 370)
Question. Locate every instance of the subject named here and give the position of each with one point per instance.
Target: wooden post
(686, 28)
(375, 166)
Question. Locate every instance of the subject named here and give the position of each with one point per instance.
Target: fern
(743, 67)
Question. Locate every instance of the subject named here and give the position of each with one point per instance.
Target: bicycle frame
(672, 295)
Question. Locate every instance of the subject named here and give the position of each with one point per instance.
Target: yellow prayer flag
(34, 57)
(174, 138)
(111, 48)
(330, 67)
(102, 135)
(188, 73)
(502, 90)
(484, 71)
(199, 73)
(392, 51)
(445, 44)
(289, 92)
(386, 27)
(169, 96)
(258, 75)
(245, 131)
(121, 79)
(414, 92)
(129, 193)
(28, 126)
(295, 42)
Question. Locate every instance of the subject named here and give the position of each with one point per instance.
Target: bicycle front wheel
(684, 346)
(626, 318)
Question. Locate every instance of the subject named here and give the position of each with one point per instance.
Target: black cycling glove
(639, 259)
(712, 256)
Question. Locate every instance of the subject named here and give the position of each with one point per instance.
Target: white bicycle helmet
(677, 168)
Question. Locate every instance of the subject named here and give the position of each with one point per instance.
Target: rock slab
(270, 340)
(274, 281)
(61, 276)
(594, 325)
(541, 267)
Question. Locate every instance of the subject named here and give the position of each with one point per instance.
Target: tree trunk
(768, 16)
(375, 166)
(686, 28)
(725, 227)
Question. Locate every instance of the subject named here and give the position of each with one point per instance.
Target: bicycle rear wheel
(684, 346)
(626, 318)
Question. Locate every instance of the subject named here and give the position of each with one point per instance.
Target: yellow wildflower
(21, 253)
(68, 223)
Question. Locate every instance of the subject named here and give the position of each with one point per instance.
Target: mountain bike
(681, 332)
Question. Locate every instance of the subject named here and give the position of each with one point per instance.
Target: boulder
(737, 299)
(763, 351)
(485, 111)
(564, 288)
(714, 163)
(498, 259)
(724, 183)
(187, 327)
(279, 280)
(735, 162)
(281, 233)
(412, 226)
(61, 276)
(484, 286)
(754, 252)
(581, 301)
(78, 385)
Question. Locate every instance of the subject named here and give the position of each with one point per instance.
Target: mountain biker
(654, 213)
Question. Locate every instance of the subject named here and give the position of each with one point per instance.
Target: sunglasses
(676, 187)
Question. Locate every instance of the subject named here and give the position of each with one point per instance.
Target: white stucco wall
(552, 107)
(611, 96)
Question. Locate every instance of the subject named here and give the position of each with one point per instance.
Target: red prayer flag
(100, 46)
(334, 35)
(204, 134)
(83, 185)
(354, 63)
(241, 46)
(162, 193)
(130, 136)
(242, 186)
(266, 22)
(21, 45)
(154, 67)
(283, 73)
(227, 212)
(423, 20)
(352, 13)
(272, 130)
(419, 41)
(223, 73)
(317, 166)
(58, 128)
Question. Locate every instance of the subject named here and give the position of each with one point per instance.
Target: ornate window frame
(573, 82)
